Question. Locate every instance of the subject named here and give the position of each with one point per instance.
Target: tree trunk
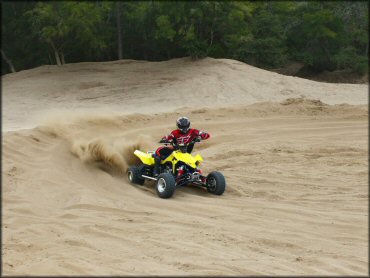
(119, 29)
(57, 58)
(62, 57)
(8, 61)
(211, 38)
(214, 19)
(168, 54)
(367, 49)
(56, 54)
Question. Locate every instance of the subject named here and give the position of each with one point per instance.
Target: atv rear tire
(134, 175)
(216, 183)
(165, 185)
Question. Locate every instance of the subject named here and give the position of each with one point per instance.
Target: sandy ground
(294, 153)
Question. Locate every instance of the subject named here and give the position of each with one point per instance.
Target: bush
(348, 58)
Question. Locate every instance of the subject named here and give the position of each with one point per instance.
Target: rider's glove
(203, 135)
(197, 139)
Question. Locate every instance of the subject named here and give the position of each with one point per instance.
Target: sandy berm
(294, 153)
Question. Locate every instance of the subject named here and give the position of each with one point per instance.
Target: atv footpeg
(195, 176)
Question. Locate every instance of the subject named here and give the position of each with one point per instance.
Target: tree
(8, 61)
(324, 35)
(317, 37)
(64, 25)
(164, 32)
(19, 45)
(267, 43)
(354, 51)
(119, 29)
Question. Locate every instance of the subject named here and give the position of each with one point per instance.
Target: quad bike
(179, 169)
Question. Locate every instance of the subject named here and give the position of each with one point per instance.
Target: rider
(183, 134)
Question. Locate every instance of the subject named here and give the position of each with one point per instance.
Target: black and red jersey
(181, 138)
(184, 138)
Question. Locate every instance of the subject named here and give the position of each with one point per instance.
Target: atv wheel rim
(212, 184)
(161, 185)
(130, 176)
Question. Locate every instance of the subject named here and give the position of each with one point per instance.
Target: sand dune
(296, 165)
(127, 87)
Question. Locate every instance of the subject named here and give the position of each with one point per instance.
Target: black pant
(163, 152)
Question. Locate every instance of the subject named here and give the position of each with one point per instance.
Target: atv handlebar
(164, 141)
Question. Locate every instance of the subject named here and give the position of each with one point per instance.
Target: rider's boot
(157, 163)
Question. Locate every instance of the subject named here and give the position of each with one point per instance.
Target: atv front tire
(165, 185)
(134, 175)
(216, 183)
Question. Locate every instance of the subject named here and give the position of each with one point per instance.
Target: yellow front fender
(199, 158)
(188, 158)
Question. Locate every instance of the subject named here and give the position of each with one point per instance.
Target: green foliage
(165, 30)
(323, 35)
(18, 41)
(330, 35)
(216, 51)
(269, 40)
(316, 39)
(348, 58)
(66, 26)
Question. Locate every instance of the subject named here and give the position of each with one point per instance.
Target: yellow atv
(178, 169)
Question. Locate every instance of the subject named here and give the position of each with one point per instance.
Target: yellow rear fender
(146, 158)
